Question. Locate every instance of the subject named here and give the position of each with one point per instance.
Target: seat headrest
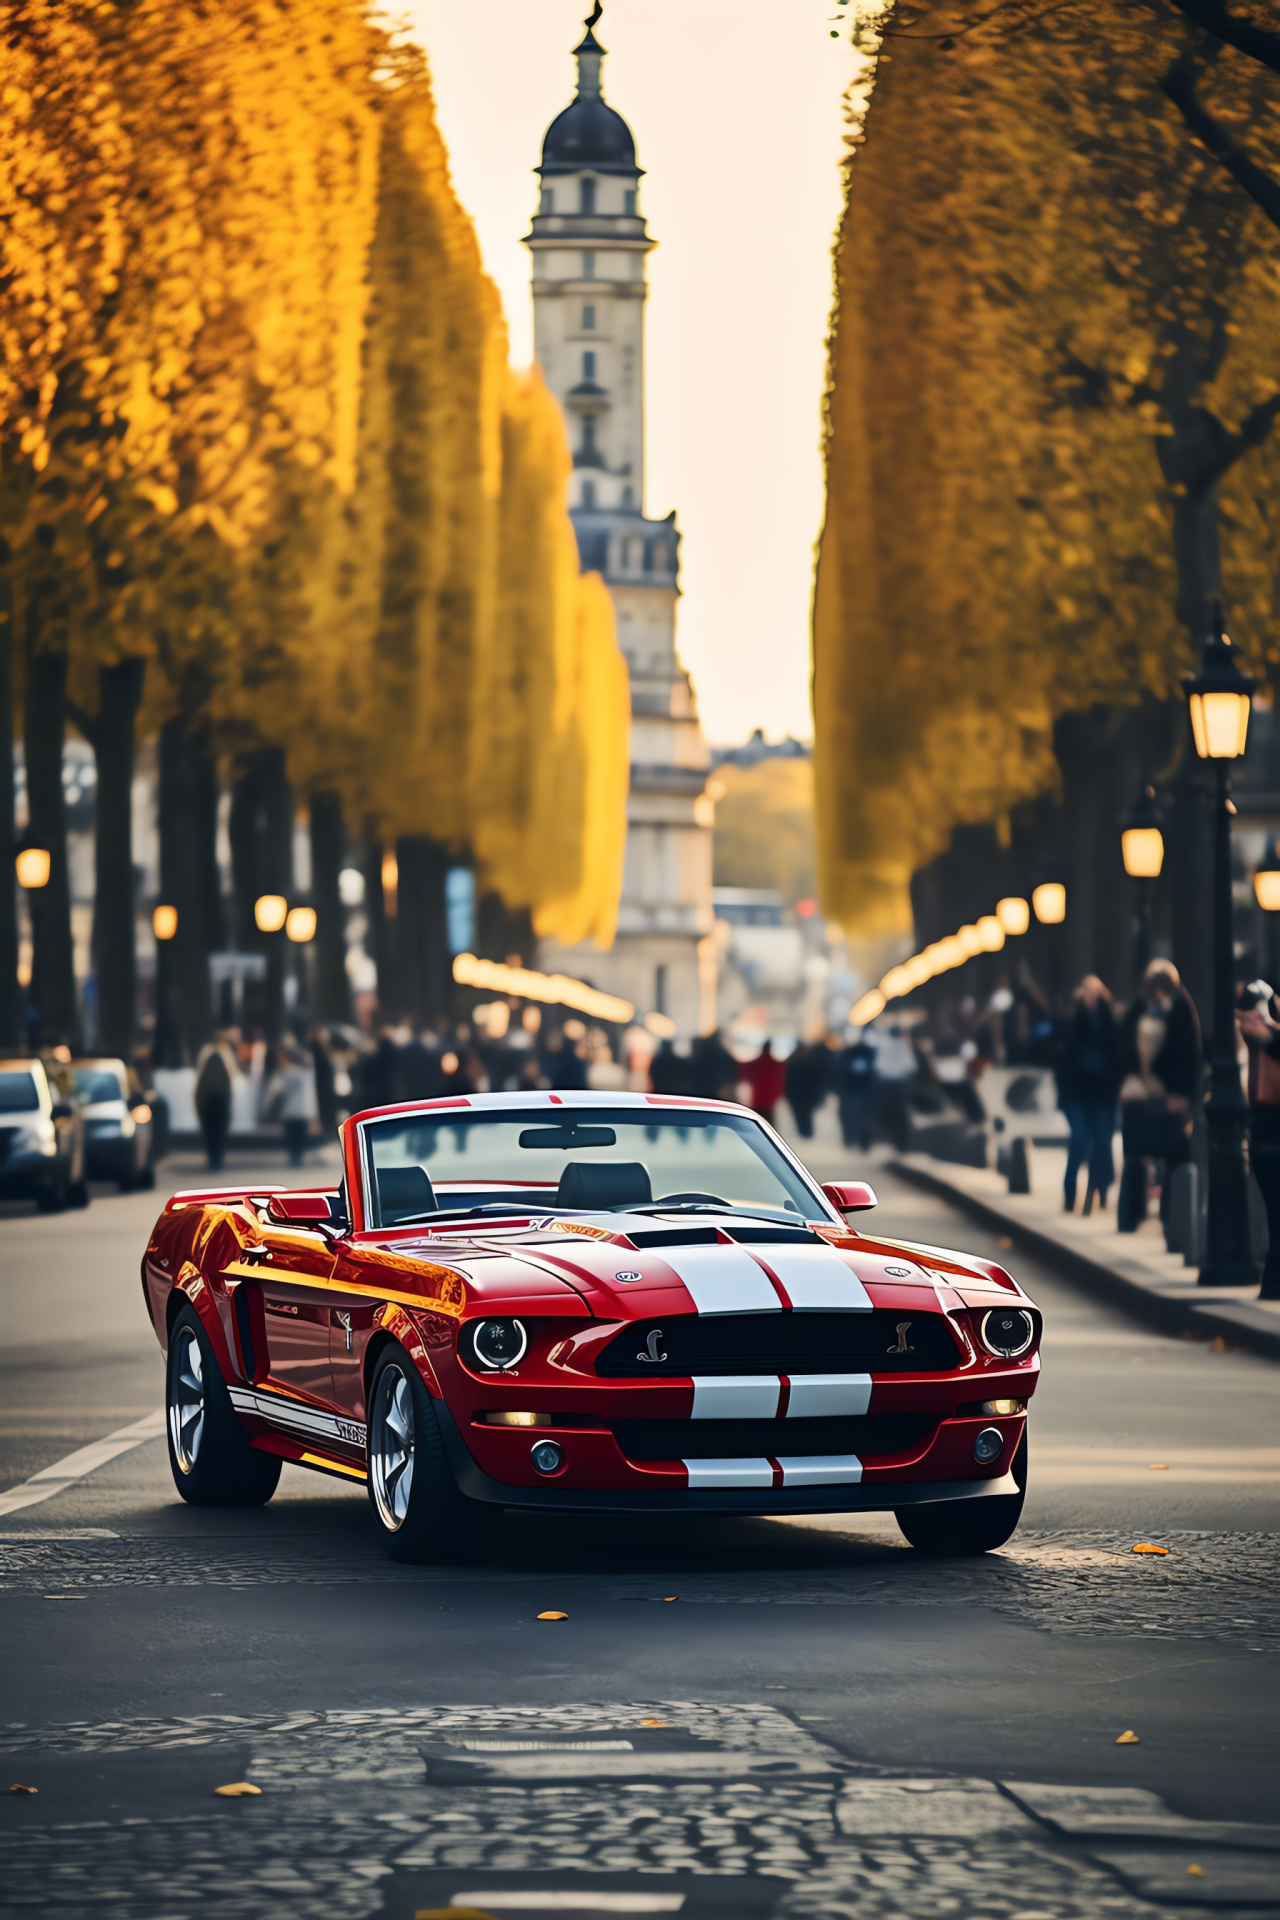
(604, 1184)
(403, 1191)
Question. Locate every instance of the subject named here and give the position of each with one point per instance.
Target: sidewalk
(1131, 1270)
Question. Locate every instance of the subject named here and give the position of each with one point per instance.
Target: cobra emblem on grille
(903, 1329)
(653, 1341)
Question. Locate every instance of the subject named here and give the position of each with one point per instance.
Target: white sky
(736, 109)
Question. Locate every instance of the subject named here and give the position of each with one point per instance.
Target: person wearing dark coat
(1161, 1085)
(715, 1071)
(1261, 1034)
(1088, 1074)
(857, 1093)
(807, 1075)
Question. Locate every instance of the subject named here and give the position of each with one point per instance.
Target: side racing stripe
(311, 1423)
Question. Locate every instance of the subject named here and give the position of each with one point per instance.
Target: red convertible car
(591, 1303)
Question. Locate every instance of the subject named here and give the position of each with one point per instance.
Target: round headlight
(499, 1343)
(988, 1446)
(1007, 1332)
(547, 1456)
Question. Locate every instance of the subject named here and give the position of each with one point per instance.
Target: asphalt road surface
(769, 1718)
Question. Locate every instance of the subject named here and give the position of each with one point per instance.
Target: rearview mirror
(569, 1136)
(850, 1196)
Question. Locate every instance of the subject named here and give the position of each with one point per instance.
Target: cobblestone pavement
(732, 1809)
(1063, 1581)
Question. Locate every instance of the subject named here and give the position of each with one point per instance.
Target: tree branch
(1211, 15)
(87, 723)
(1253, 430)
(1179, 85)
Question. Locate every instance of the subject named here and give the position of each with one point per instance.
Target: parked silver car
(118, 1128)
(41, 1140)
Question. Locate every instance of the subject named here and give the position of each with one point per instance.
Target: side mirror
(62, 1110)
(297, 1209)
(850, 1196)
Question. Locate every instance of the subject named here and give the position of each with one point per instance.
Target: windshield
(592, 1159)
(19, 1093)
(94, 1085)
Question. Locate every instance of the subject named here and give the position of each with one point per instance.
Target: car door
(292, 1272)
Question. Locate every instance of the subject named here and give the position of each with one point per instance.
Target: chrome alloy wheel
(391, 1447)
(187, 1400)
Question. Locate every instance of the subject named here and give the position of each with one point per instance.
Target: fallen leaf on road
(553, 1616)
(1004, 1243)
(1199, 1870)
(1149, 1546)
(1127, 1739)
(653, 1723)
(1215, 1346)
(669, 1597)
(18, 1787)
(451, 1913)
(1157, 1466)
(238, 1790)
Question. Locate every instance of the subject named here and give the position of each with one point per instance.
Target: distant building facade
(589, 245)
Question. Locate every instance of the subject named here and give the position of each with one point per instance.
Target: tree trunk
(380, 938)
(426, 977)
(53, 964)
(11, 995)
(189, 881)
(332, 988)
(262, 862)
(110, 732)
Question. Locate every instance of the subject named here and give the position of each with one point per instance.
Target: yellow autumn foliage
(1042, 281)
(254, 383)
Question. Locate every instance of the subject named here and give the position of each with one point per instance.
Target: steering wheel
(691, 1199)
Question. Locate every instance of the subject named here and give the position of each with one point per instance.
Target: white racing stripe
(64, 1473)
(816, 1394)
(310, 1422)
(825, 1470)
(723, 1279)
(732, 1396)
(817, 1280)
(729, 1473)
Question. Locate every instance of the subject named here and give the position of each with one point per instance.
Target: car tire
(418, 1510)
(53, 1197)
(957, 1527)
(210, 1458)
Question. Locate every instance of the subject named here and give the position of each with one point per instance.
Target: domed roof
(589, 133)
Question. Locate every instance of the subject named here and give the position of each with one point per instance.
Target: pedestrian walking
(318, 1045)
(857, 1093)
(1160, 1087)
(1260, 1032)
(216, 1071)
(715, 1071)
(766, 1077)
(299, 1108)
(1088, 1075)
(895, 1070)
(805, 1083)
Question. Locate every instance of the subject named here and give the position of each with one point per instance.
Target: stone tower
(589, 244)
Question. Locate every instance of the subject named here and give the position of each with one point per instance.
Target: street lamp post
(1142, 847)
(1220, 697)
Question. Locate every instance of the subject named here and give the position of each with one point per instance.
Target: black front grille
(874, 1434)
(882, 1341)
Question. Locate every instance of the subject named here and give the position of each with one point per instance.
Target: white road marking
(64, 1473)
(507, 1901)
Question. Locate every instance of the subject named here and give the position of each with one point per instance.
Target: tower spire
(590, 57)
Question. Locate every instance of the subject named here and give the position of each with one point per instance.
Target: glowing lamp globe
(32, 868)
(270, 910)
(1143, 851)
(991, 933)
(1266, 883)
(164, 922)
(1013, 914)
(1220, 697)
(300, 926)
(1050, 903)
(970, 941)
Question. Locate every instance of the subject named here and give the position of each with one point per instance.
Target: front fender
(192, 1287)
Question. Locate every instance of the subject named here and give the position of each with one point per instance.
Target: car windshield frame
(776, 1159)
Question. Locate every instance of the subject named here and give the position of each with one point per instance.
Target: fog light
(507, 1418)
(547, 1456)
(988, 1446)
(1003, 1406)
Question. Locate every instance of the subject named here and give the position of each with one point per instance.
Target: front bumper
(554, 1496)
